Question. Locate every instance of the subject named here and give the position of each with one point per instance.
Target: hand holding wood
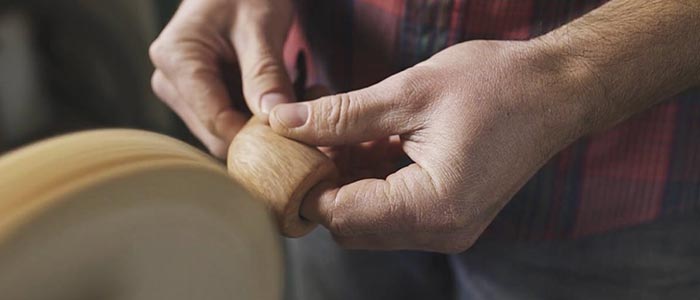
(279, 172)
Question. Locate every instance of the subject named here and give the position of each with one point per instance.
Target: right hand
(202, 39)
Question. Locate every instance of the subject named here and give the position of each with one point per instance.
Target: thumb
(376, 112)
(378, 214)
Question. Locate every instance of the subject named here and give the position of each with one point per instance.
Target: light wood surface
(123, 214)
(279, 172)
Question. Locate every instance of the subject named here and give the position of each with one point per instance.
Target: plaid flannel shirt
(642, 170)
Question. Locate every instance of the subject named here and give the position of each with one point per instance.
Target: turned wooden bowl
(123, 214)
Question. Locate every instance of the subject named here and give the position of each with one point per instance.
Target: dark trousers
(660, 260)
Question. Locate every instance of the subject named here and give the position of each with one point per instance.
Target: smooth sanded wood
(123, 214)
(279, 172)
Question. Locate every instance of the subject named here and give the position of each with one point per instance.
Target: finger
(259, 41)
(166, 91)
(393, 209)
(401, 213)
(206, 95)
(392, 107)
(192, 67)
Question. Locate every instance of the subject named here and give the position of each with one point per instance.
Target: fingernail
(269, 101)
(292, 115)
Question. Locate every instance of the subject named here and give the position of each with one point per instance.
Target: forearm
(627, 56)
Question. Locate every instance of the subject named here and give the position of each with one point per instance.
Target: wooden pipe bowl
(279, 172)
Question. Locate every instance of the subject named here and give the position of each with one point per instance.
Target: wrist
(577, 94)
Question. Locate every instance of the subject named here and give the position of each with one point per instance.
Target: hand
(478, 120)
(203, 42)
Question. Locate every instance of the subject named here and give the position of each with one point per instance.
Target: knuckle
(173, 55)
(266, 65)
(158, 86)
(156, 51)
(338, 224)
(336, 115)
(338, 227)
(165, 54)
(411, 90)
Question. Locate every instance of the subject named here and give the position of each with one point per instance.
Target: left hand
(477, 119)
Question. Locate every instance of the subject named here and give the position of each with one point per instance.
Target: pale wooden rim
(33, 177)
(40, 179)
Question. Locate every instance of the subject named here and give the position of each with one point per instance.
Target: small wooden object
(278, 171)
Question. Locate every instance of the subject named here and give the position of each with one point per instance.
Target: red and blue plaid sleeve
(642, 170)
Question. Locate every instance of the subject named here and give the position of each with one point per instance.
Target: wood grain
(124, 214)
(279, 172)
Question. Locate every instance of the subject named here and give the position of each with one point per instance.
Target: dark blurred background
(68, 65)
